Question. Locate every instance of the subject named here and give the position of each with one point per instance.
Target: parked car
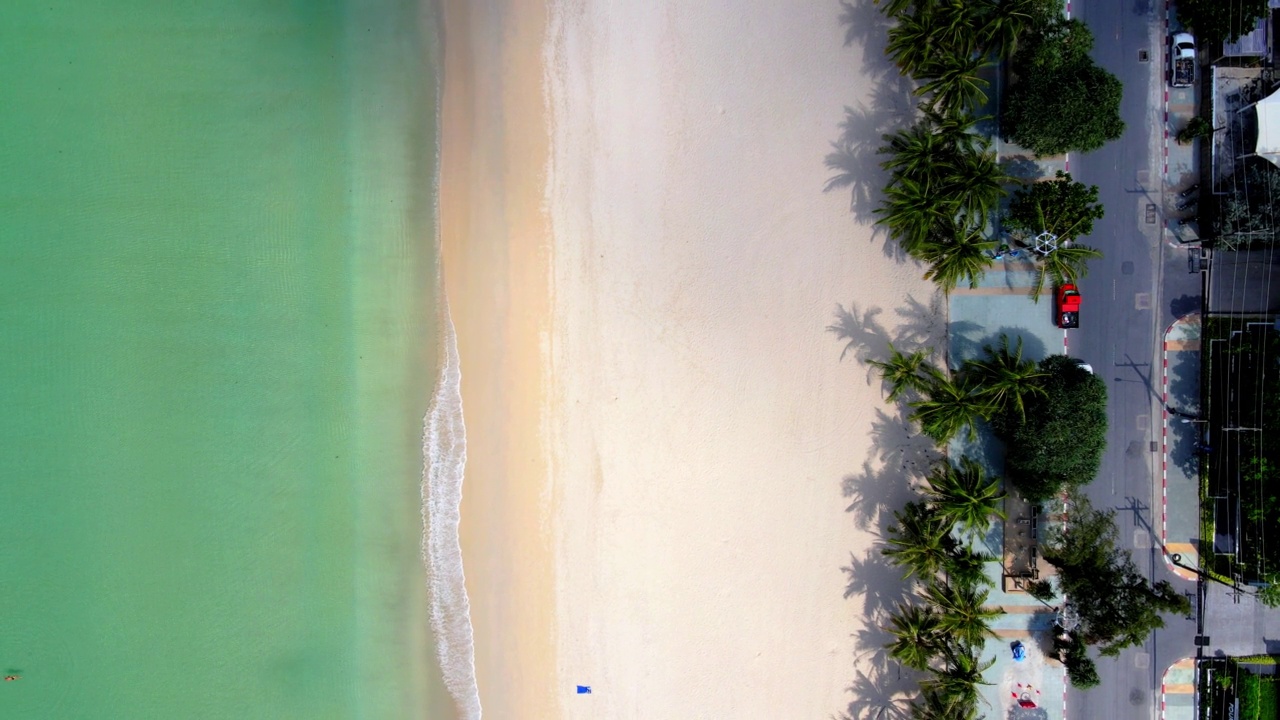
(1068, 306)
(1182, 60)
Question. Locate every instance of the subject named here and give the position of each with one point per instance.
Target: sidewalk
(1180, 476)
(1177, 691)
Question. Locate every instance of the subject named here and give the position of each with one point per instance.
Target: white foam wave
(444, 451)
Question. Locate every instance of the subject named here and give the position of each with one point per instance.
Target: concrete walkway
(1180, 477)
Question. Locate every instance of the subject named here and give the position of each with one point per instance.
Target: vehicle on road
(1182, 60)
(1068, 306)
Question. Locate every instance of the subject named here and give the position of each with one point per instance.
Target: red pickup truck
(1068, 306)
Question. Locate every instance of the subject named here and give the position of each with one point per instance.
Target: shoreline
(494, 258)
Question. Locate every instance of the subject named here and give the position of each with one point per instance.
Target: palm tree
(1066, 264)
(911, 210)
(954, 21)
(896, 8)
(958, 681)
(934, 704)
(903, 372)
(962, 257)
(915, 636)
(963, 495)
(967, 568)
(955, 128)
(913, 40)
(920, 541)
(979, 182)
(917, 152)
(1004, 378)
(951, 406)
(1003, 21)
(954, 81)
(961, 612)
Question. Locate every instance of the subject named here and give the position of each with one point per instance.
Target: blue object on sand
(1019, 652)
(584, 689)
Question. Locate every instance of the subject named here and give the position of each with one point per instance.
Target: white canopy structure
(1268, 112)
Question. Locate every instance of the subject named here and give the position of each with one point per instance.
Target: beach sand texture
(671, 466)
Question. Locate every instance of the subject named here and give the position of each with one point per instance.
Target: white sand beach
(670, 463)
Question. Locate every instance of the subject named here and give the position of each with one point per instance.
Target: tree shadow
(1185, 305)
(905, 457)
(861, 334)
(866, 26)
(922, 326)
(882, 588)
(880, 695)
(1184, 382)
(854, 159)
(1022, 167)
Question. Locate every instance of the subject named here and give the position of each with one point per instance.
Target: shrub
(1197, 127)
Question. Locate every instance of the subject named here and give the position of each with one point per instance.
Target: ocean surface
(219, 323)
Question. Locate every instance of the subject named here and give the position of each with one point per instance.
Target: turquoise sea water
(217, 278)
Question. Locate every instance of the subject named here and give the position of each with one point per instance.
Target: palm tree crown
(964, 496)
(915, 636)
(920, 541)
(903, 371)
(1004, 378)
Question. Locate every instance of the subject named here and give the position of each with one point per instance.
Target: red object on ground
(1068, 306)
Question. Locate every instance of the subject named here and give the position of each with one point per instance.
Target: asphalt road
(1131, 296)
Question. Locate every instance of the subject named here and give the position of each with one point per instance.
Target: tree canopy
(1061, 206)
(1116, 605)
(1215, 20)
(1059, 441)
(1060, 100)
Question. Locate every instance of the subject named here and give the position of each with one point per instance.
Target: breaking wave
(444, 451)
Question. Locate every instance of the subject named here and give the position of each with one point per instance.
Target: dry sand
(663, 435)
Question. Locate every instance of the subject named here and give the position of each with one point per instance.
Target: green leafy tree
(962, 614)
(1269, 594)
(1250, 214)
(949, 408)
(1060, 206)
(964, 496)
(916, 640)
(1074, 654)
(962, 257)
(1215, 20)
(1059, 441)
(1060, 100)
(1004, 378)
(904, 372)
(919, 541)
(1116, 605)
